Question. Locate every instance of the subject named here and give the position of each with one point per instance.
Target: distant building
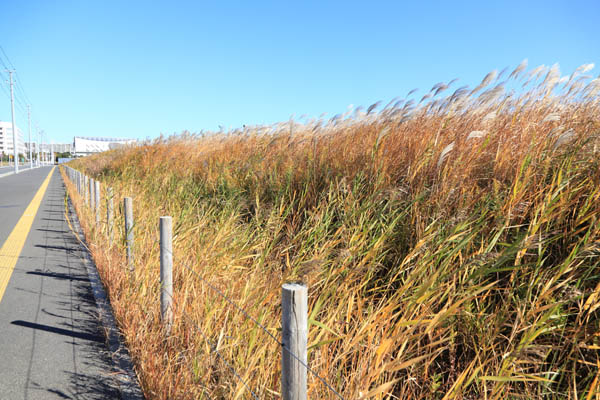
(6, 139)
(60, 147)
(83, 146)
(49, 147)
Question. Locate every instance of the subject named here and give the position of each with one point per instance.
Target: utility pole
(38, 145)
(14, 128)
(29, 118)
(41, 148)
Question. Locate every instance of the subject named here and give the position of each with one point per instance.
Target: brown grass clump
(450, 247)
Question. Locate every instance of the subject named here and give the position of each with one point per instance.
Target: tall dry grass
(450, 246)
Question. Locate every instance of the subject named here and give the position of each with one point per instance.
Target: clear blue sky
(141, 68)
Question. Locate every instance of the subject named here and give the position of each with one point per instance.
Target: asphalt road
(5, 170)
(51, 342)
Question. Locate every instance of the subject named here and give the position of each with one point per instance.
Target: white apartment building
(6, 139)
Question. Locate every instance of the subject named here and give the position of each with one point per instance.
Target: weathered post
(294, 333)
(97, 202)
(86, 192)
(166, 272)
(92, 195)
(109, 214)
(128, 210)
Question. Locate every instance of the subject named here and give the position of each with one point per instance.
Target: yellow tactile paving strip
(10, 251)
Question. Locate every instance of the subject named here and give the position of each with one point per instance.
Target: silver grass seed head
(520, 68)
(552, 118)
(411, 92)
(441, 89)
(564, 137)
(373, 107)
(476, 134)
(489, 78)
(436, 86)
(444, 153)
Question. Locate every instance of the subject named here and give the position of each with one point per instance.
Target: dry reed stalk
(457, 235)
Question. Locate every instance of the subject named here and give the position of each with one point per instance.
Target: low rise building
(50, 147)
(83, 146)
(6, 139)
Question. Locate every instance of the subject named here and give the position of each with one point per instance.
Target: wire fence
(87, 191)
(259, 325)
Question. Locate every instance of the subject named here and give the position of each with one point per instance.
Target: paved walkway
(51, 343)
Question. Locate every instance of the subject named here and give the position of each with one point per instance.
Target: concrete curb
(123, 366)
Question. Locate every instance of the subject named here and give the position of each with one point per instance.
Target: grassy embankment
(451, 249)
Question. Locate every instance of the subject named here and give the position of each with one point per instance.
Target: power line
(4, 82)
(19, 101)
(22, 106)
(7, 59)
(5, 90)
(20, 90)
(3, 63)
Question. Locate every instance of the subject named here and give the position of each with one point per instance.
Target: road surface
(5, 171)
(51, 343)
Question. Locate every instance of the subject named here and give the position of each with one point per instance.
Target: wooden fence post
(166, 272)
(128, 211)
(92, 196)
(97, 202)
(86, 192)
(294, 336)
(109, 214)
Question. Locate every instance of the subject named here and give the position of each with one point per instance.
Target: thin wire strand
(216, 351)
(7, 59)
(261, 326)
(19, 89)
(3, 63)
(5, 91)
(20, 103)
(204, 336)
